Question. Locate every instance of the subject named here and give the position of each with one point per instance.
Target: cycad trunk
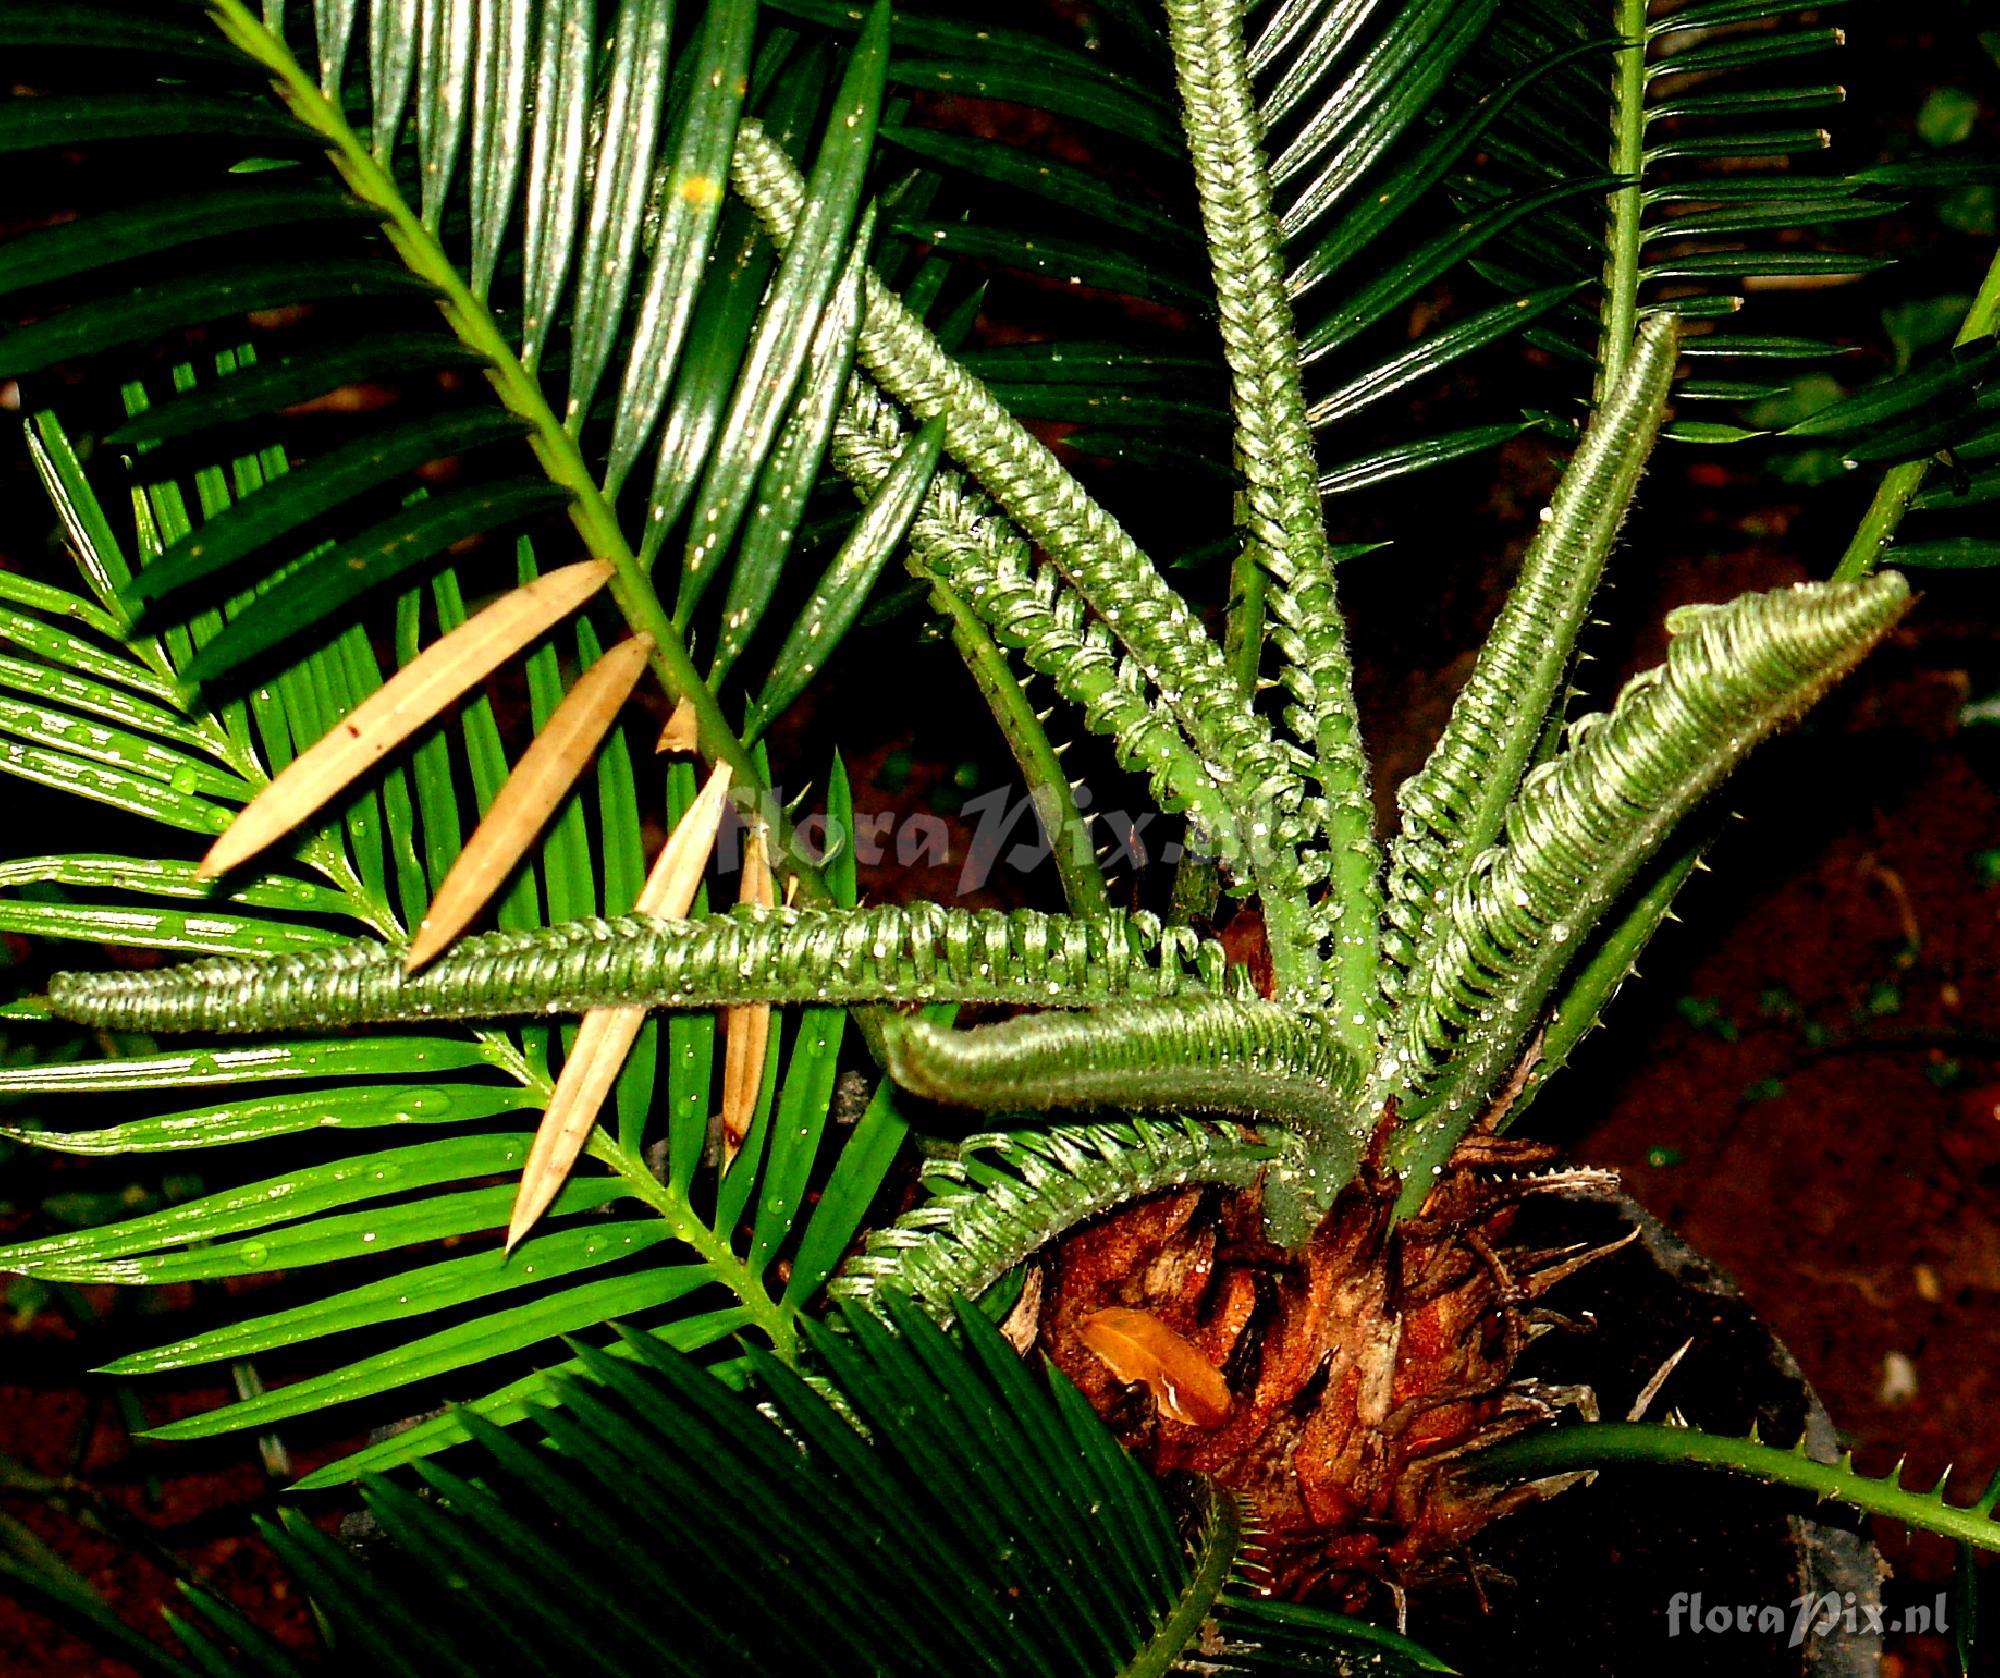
(1358, 1370)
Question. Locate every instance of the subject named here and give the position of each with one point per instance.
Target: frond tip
(1096, 557)
(1281, 497)
(1586, 821)
(1453, 807)
(1201, 1054)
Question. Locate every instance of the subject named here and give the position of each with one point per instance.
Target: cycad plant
(583, 329)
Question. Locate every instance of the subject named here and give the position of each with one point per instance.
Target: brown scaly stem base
(1357, 1370)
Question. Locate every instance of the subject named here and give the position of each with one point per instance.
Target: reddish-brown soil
(196, 1505)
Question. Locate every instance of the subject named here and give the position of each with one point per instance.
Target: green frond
(1259, 781)
(80, 665)
(1388, 121)
(983, 1511)
(441, 1316)
(962, 540)
(1281, 499)
(793, 470)
(920, 953)
(590, 1291)
(777, 352)
(1702, 97)
(258, 1118)
(1035, 756)
(1379, 118)
(997, 1199)
(1457, 140)
(1587, 820)
(413, 1128)
(1589, 1445)
(1452, 808)
(837, 598)
(1049, 507)
(605, 283)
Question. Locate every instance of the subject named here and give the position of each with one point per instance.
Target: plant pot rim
(1655, 1293)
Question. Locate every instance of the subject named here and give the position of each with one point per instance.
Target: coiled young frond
(996, 1199)
(1586, 820)
(1197, 1054)
(1452, 807)
(922, 953)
